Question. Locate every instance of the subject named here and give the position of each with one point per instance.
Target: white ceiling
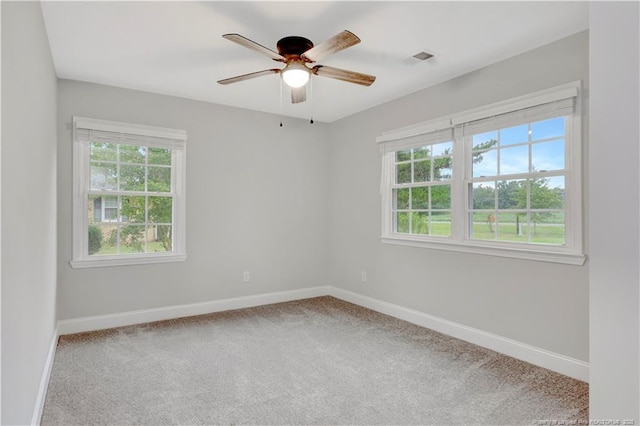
(176, 48)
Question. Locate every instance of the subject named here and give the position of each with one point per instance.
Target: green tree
(540, 197)
(509, 193)
(483, 197)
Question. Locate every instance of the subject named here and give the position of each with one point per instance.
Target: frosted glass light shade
(295, 75)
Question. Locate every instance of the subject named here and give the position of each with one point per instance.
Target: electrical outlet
(246, 276)
(364, 276)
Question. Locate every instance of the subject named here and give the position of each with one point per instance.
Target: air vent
(423, 56)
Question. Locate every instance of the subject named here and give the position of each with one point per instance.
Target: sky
(511, 154)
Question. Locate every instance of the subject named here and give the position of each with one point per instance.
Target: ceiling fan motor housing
(293, 46)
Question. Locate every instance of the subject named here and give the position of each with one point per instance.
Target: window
(129, 203)
(504, 179)
(105, 209)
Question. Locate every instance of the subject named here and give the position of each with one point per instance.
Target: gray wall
(614, 274)
(541, 304)
(28, 207)
(256, 201)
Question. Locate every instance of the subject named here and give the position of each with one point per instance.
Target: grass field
(552, 233)
(153, 247)
(540, 233)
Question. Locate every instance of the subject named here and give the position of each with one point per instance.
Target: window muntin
(129, 182)
(515, 186)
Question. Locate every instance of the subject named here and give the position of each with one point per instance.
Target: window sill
(98, 262)
(483, 249)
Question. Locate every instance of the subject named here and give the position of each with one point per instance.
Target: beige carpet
(316, 361)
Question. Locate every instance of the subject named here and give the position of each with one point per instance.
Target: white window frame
(134, 134)
(572, 252)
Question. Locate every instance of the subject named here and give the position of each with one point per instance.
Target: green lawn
(550, 233)
(540, 233)
(153, 247)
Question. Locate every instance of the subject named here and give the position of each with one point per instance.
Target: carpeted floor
(315, 361)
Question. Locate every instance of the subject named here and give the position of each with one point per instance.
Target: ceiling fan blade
(248, 76)
(344, 75)
(250, 44)
(335, 44)
(298, 94)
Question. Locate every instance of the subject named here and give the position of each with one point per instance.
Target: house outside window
(503, 180)
(104, 209)
(129, 206)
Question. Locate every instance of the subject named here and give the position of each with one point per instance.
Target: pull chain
(311, 98)
(280, 102)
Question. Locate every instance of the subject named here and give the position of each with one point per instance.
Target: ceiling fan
(296, 52)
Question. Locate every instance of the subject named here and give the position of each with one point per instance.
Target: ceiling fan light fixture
(295, 75)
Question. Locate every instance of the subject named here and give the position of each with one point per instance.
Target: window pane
(403, 173)
(94, 208)
(160, 156)
(514, 160)
(422, 171)
(420, 223)
(441, 197)
(104, 152)
(160, 238)
(420, 198)
(547, 228)
(132, 239)
(103, 239)
(159, 179)
(401, 198)
(512, 194)
(483, 195)
(109, 208)
(402, 222)
(483, 225)
(546, 193)
(511, 226)
(132, 154)
(420, 153)
(485, 163)
(160, 210)
(551, 128)
(131, 178)
(441, 223)
(444, 148)
(442, 168)
(133, 209)
(403, 155)
(484, 141)
(104, 176)
(513, 135)
(548, 156)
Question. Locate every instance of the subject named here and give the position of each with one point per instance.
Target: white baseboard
(553, 361)
(101, 322)
(44, 381)
(550, 360)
